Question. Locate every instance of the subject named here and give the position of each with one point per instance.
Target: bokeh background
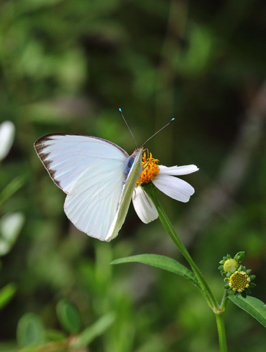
(67, 66)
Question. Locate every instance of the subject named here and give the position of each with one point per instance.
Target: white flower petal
(143, 205)
(7, 131)
(177, 170)
(174, 187)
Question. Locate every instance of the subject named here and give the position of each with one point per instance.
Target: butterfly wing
(92, 203)
(93, 172)
(66, 157)
(126, 194)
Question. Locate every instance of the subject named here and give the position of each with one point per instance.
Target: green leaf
(69, 316)
(90, 333)
(30, 331)
(6, 294)
(162, 262)
(194, 60)
(253, 306)
(12, 188)
(54, 335)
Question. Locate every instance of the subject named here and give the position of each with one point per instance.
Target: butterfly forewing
(66, 157)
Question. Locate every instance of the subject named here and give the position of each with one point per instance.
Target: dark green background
(67, 66)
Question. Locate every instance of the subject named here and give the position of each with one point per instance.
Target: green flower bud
(230, 265)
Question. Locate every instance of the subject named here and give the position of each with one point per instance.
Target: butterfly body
(98, 177)
(129, 163)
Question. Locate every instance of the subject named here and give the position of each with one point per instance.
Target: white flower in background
(162, 177)
(7, 131)
(10, 227)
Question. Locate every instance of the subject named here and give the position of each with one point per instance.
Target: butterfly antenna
(128, 126)
(158, 131)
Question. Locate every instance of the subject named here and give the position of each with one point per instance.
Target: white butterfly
(98, 177)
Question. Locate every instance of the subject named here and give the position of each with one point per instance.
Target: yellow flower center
(239, 281)
(149, 169)
(230, 264)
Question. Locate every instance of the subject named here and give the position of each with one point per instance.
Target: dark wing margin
(40, 150)
(46, 157)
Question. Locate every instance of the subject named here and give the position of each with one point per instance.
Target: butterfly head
(130, 160)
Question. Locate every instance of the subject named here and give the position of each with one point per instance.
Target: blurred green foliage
(67, 66)
(32, 336)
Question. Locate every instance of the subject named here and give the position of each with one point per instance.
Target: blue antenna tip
(173, 119)
(120, 109)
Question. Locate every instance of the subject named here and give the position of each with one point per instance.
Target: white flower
(7, 131)
(162, 177)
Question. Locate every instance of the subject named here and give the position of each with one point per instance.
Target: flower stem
(205, 289)
(221, 332)
(224, 301)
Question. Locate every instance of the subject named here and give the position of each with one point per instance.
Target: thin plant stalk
(204, 287)
(221, 332)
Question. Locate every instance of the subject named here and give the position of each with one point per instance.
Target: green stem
(221, 332)
(224, 301)
(205, 289)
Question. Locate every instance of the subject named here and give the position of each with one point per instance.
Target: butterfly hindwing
(92, 203)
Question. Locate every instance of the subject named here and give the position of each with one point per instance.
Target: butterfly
(98, 177)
